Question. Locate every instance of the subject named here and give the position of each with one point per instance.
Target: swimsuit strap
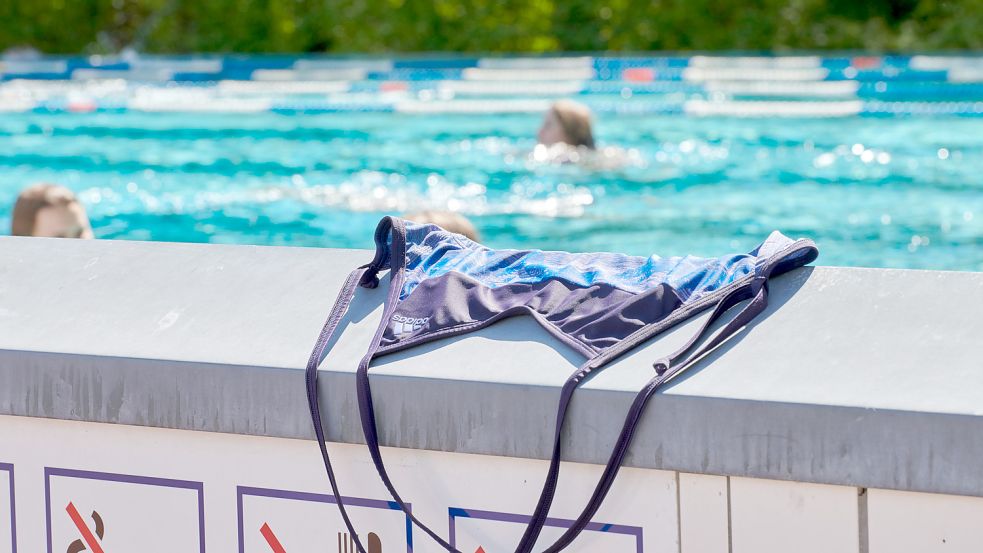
(365, 276)
(539, 516)
(538, 519)
(337, 312)
(666, 369)
(396, 258)
(393, 255)
(803, 252)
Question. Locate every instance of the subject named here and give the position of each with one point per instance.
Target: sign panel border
(9, 469)
(242, 491)
(455, 513)
(127, 479)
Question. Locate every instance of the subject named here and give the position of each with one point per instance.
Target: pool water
(879, 192)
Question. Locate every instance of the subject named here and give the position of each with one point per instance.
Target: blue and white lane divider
(321, 97)
(699, 68)
(792, 86)
(700, 108)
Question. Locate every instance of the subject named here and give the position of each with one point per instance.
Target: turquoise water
(898, 192)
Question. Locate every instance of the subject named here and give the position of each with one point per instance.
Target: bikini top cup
(601, 304)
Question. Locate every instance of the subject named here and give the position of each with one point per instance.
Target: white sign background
(499, 532)
(305, 522)
(6, 509)
(139, 514)
(145, 517)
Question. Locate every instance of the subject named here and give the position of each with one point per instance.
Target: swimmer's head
(49, 210)
(567, 122)
(447, 220)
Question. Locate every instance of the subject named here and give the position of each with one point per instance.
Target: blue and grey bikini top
(601, 304)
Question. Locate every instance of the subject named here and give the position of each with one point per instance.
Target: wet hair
(32, 200)
(447, 220)
(575, 118)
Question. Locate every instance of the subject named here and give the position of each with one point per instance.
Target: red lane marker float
(636, 74)
(866, 62)
(271, 539)
(87, 535)
(394, 86)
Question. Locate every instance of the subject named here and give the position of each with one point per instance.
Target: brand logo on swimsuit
(403, 326)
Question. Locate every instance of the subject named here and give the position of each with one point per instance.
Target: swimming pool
(318, 167)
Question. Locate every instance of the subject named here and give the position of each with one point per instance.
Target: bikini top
(600, 304)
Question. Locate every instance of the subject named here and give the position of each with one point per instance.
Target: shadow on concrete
(780, 290)
(526, 329)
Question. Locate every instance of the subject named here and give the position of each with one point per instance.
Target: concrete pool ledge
(859, 377)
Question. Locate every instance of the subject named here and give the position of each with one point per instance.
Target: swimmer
(567, 122)
(447, 220)
(567, 137)
(49, 210)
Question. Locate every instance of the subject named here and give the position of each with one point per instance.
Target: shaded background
(251, 26)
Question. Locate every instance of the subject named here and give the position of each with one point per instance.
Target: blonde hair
(447, 220)
(575, 118)
(33, 199)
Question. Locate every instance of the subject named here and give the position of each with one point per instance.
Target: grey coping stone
(862, 377)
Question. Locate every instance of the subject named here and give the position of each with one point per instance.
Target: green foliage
(374, 26)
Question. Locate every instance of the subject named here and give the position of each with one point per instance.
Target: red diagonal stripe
(87, 535)
(271, 539)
